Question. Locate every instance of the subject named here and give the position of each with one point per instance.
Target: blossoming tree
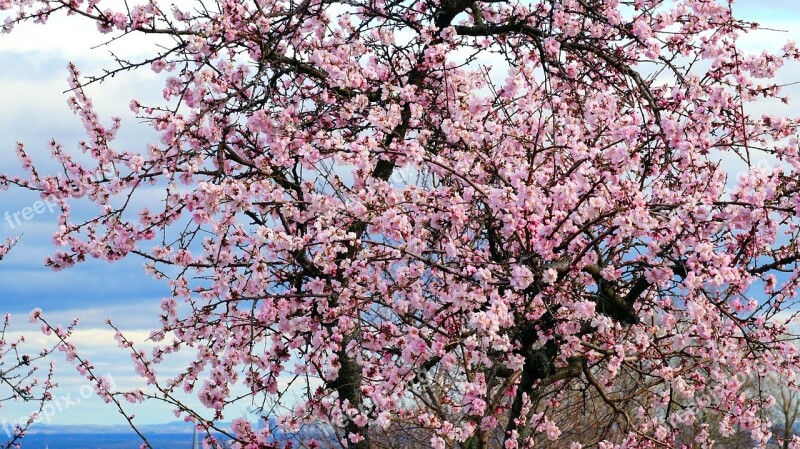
(472, 220)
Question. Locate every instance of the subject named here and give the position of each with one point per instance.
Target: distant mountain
(105, 441)
(172, 435)
(175, 427)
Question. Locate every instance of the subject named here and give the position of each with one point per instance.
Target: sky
(34, 110)
(33, 79)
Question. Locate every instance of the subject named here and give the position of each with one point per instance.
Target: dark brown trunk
(538, 365)
(348, 386)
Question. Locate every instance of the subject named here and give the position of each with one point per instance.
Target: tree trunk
(348, 386)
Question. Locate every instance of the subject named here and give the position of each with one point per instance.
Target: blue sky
(34, 110)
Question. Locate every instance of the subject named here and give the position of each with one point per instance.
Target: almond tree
(448, 215)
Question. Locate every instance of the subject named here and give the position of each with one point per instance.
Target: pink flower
(521, 277)
(549, 276)
(34, 315)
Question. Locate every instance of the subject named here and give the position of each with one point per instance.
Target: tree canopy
(452, 222)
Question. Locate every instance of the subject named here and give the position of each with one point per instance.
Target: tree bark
(348, 386)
